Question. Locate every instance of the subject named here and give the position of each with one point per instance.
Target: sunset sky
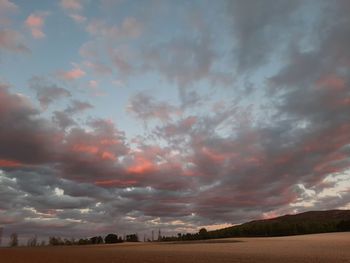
(132, 116)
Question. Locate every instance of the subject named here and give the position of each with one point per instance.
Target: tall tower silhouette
(1, 229)
(159, 235)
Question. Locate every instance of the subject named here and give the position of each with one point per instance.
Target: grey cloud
(217, 167)
(145, 107)
(77, 106)
(12, 41)
(64, 119)
(24, 136)
(47, 92)
(258, 28)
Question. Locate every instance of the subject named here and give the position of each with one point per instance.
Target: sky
(124, 116)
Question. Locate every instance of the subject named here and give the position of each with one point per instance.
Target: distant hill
(303, 223)
(299, 224)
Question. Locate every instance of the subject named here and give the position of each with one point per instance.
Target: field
(332, 247)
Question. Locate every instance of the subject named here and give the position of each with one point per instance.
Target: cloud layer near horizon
(219, 121)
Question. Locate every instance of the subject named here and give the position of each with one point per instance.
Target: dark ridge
(311, 222)
(304, 223)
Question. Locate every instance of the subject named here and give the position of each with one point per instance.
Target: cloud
(182, 61)
(77, 106)
(78, 18)
(186, 61)
(254, 24)
(93, 84)
(12, 41)
(129, 28)
(71, 5)
(35, 23)
(25, 138)
(97, 149)
(47, 92)
(64, 119)
(73, 74)
(74, 9)
(9, 163)
(99, 68)
(145, 107)
(233, 156)
(7, 7)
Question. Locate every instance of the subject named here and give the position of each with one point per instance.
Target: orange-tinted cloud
(108, 156)
(140, 166)
(10, 163)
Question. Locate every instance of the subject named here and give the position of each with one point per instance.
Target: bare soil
(330, 247)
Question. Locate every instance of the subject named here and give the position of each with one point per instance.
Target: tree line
(267, 228)
(305, 223)
(58, 241)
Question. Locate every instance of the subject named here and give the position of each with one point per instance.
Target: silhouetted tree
(96, 240)
(84, 241)
(13, 240)
(1, 230)
(344, 225)
(67, 242)
(112, 238)
(203, 233)
(132, 238)
(32, 242)
(55, 241)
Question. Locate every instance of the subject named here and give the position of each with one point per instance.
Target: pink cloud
(94, 150)
(73, 74)
(74, 5)
(93, 84)
(35, 23)
(141, 165)
(108, 156)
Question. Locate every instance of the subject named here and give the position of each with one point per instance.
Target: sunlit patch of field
(330, 247)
